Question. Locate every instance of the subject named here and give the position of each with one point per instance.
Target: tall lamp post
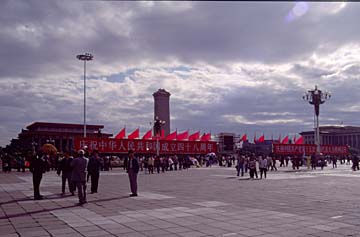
(316, 97)
(85, 57)
(157, 129)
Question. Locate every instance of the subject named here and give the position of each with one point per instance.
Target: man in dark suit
(133, 170)
(66, 170)
(93, 169)
(37, 168)
(78, 176)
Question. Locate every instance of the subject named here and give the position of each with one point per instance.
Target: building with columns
(162, 108)
(335, 135)
(61, 135)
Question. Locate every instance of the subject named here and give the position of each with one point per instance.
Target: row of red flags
(285, 140)
(170, 137)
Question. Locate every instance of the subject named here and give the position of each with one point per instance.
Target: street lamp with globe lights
(317, 97)
(85, 57)
(157, 130)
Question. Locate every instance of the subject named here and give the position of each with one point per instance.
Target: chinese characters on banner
(309, 149)
(109, 145)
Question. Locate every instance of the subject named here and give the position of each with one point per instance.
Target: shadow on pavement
(53, 209)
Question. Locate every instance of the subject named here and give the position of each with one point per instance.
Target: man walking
(37, 168)
(78, 176)
(93, 169)
(240, 165)
(66, 170)
(133, 170)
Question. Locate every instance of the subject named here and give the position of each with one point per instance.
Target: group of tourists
(73, 171)
(245, 163)
(251, 163)
(158, 164)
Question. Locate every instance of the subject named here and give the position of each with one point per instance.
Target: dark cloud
(191, 48)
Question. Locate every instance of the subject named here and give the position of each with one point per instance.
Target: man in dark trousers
(78, 176)
(133, 169)
(93, 169)
(66, 171)
(37, 168)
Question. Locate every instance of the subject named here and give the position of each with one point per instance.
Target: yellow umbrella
(49, 149)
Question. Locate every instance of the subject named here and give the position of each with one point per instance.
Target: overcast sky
(237, 67)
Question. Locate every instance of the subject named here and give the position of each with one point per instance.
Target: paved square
(195, 202)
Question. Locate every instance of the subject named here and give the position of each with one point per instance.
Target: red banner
(110, 145)
(309, 149)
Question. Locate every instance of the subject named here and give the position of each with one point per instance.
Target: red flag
(171, 136)
(243, 138)
(262, 138)
(255, 138)
(285, 140)
(294, 139)
(205, 137)
(300, 140)
(135, 134)
(195, 136)
(121, 134)
(182, 136)
(147, 135)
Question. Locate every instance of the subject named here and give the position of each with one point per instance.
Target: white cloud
(228, 66)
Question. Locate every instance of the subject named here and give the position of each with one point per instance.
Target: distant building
(62, 135)
(335, 135)
(162, 108)
(226, 143)
(264, 148)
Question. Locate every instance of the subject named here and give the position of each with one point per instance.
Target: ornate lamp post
(157, 130)
(85, 57)
(316, 97)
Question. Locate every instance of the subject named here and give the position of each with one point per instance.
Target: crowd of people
(264, 163)
(81, 167)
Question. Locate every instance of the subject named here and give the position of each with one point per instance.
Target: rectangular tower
(162, 108)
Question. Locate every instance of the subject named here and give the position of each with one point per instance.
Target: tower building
(162, 108)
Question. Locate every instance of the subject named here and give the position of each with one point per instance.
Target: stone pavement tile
(192, 234)
(121, 230)
(122, 219)
(7, 229)
(92, 233)
(179, 229)
(251, 232)
(88, 228)
(222, 225)
(272, 229)
(269, 235)
(56, 227)
(62, 231)
(324, 227)
(156, 232)
(143, 228)
(111, 226)
(288, 233)
(328, 234)
(9, 235)
(212, 231)
(134, 234)
(345, 231)
(67, 235)
(34, 233)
